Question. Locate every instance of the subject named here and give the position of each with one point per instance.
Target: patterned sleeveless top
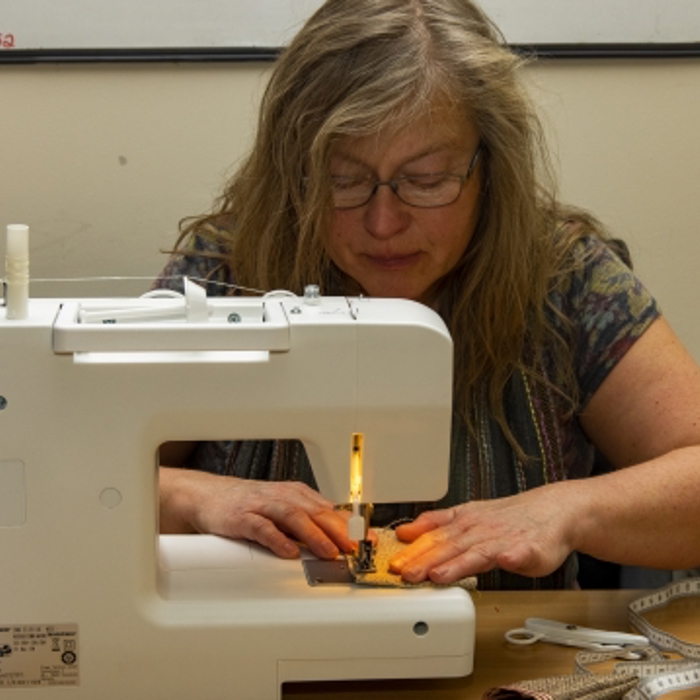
(609, 308)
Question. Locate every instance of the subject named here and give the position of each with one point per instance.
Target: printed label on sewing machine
(36, 656)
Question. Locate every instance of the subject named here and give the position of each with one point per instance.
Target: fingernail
(412, 573)
(289, 549)
(398, 563)
(328, 549)
(440, 572)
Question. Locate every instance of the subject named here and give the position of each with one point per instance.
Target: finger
(330, 533)
(290, 519)
(449, 562)
(428, 551)
(257, 528)
(521, 558)
(476, 560)
(335, 525)
(425, 522)
(414, 566)
(412, 553)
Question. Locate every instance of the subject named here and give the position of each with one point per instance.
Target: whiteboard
(261, 27)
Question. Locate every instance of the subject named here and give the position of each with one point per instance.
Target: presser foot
(362, 561)
(344, 570)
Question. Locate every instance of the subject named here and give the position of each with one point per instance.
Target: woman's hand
(643, 515)
(277, 515)
(528, 534)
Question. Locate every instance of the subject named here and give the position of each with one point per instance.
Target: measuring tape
(658, 675)
(667, 683)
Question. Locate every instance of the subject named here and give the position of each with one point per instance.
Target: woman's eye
(348, 182)
(427, 181)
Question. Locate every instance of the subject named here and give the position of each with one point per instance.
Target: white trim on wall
(132, 25)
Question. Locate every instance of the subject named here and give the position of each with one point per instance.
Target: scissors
(538, 630)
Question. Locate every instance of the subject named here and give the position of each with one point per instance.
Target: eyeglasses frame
(393, 184)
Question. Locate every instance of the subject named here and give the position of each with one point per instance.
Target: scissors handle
(523, 636)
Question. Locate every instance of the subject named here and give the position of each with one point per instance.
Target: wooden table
(499, 663)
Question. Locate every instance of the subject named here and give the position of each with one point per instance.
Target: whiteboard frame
(256, 30)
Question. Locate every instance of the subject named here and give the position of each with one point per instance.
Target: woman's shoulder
(592, 264)
(606, 306)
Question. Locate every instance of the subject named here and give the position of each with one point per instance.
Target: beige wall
(102, 161)
(627, 135)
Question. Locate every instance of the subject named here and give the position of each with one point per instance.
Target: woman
(397, 155)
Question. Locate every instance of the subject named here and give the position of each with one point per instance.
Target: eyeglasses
(424, 190)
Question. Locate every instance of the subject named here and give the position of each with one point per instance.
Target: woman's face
(392, 249)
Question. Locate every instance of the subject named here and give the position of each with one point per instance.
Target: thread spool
(17, 271)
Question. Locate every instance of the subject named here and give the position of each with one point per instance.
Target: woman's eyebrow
(348, 158)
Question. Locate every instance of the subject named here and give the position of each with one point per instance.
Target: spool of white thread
(17, 271)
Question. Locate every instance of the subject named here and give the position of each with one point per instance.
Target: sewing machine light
(356, 467)
(357, 526)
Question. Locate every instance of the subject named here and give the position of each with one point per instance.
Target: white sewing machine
(93, 604)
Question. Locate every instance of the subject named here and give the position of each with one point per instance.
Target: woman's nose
(386, 215)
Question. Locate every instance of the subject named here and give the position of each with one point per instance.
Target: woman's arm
(647, 414)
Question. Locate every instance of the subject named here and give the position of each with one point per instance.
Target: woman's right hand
(277, 514)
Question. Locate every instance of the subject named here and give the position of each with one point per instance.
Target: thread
(142, 278)
(16, 280)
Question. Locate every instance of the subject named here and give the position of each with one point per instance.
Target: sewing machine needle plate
(320, 572)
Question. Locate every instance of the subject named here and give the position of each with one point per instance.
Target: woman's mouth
(393, 262)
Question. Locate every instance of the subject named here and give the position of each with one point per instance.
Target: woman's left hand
(529, 534)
